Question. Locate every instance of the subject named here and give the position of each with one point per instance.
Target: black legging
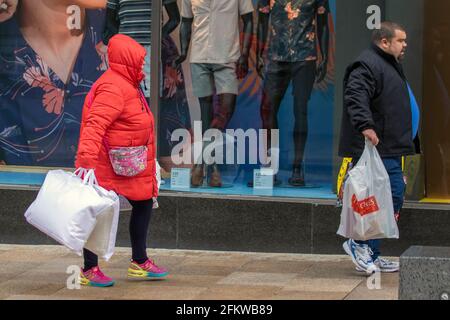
(139, 222)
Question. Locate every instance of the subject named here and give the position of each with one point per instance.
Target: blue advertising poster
(43, 80)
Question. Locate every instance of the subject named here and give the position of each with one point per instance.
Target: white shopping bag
(368, 211)
(67, 209)
(158, 180)
(102, 240)
(158, 173)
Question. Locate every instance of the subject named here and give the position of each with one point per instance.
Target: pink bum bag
(126, 161)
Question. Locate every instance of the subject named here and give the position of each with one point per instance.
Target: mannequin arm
(185, 39)
(111, 26)
(323, 36)
(262, 32)
(242, 69)
(174, 19)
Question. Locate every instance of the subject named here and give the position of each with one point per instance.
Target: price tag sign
(263, 179)
(180, 178)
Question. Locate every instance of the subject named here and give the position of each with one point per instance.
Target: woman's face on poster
(85, 4)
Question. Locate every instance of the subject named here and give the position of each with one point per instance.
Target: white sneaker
(361, 256)
(385, 266)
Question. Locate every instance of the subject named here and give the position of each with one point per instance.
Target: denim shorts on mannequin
(210, 78)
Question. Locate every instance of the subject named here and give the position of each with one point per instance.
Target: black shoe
(298, 177)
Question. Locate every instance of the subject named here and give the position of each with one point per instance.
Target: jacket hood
(126, 57)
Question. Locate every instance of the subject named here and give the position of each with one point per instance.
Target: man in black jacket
(377, 107)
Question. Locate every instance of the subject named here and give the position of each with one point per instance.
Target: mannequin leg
(207, 113)
(220, 121)
(304, 78)
(275, 85)
(227, 103)
(273, 93)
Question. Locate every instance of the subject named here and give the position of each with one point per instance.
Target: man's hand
(321, 72)
(2, 163)
(260, 66)
(242, 67)
(7, 9)
(371, 135)
(178, 61)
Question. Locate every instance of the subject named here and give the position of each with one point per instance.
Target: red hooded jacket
(115, 110)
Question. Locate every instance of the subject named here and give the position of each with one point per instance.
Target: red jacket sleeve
(106, 107)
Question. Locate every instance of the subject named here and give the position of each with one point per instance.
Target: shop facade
(40, 115)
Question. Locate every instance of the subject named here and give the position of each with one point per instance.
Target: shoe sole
(296, 184)
(146, 275)
(196, 185)
(349, 252)
(98, 285)
(382, 271)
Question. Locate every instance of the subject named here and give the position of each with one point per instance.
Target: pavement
(39, 273)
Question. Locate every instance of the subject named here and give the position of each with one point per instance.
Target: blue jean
(394, 169)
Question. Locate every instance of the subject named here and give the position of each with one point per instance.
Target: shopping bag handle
(89, 176)
(367, 154)
(80, 172)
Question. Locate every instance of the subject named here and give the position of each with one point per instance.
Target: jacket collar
(390, 59)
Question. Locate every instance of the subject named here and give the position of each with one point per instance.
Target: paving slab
(40, 273)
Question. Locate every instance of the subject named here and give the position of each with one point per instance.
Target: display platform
(310, 191)
(22, 178)
(284, 190)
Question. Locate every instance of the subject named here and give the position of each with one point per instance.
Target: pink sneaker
(94, 277)
(146, 270)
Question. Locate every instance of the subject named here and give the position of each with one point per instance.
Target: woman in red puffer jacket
(116, 115)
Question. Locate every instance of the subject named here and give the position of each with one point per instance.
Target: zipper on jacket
(141, 96)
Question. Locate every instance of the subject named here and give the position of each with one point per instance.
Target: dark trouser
(394, 169)
(139, 222)
(278, 77)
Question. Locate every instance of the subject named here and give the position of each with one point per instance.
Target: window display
(292, 57)
(296, 56)
(216, 64)
(250, 91)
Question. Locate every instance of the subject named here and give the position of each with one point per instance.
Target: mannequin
(141, 32)
(220, 62)
(174, 110)
(292, 57)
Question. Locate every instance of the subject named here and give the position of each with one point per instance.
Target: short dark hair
(386, 31)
